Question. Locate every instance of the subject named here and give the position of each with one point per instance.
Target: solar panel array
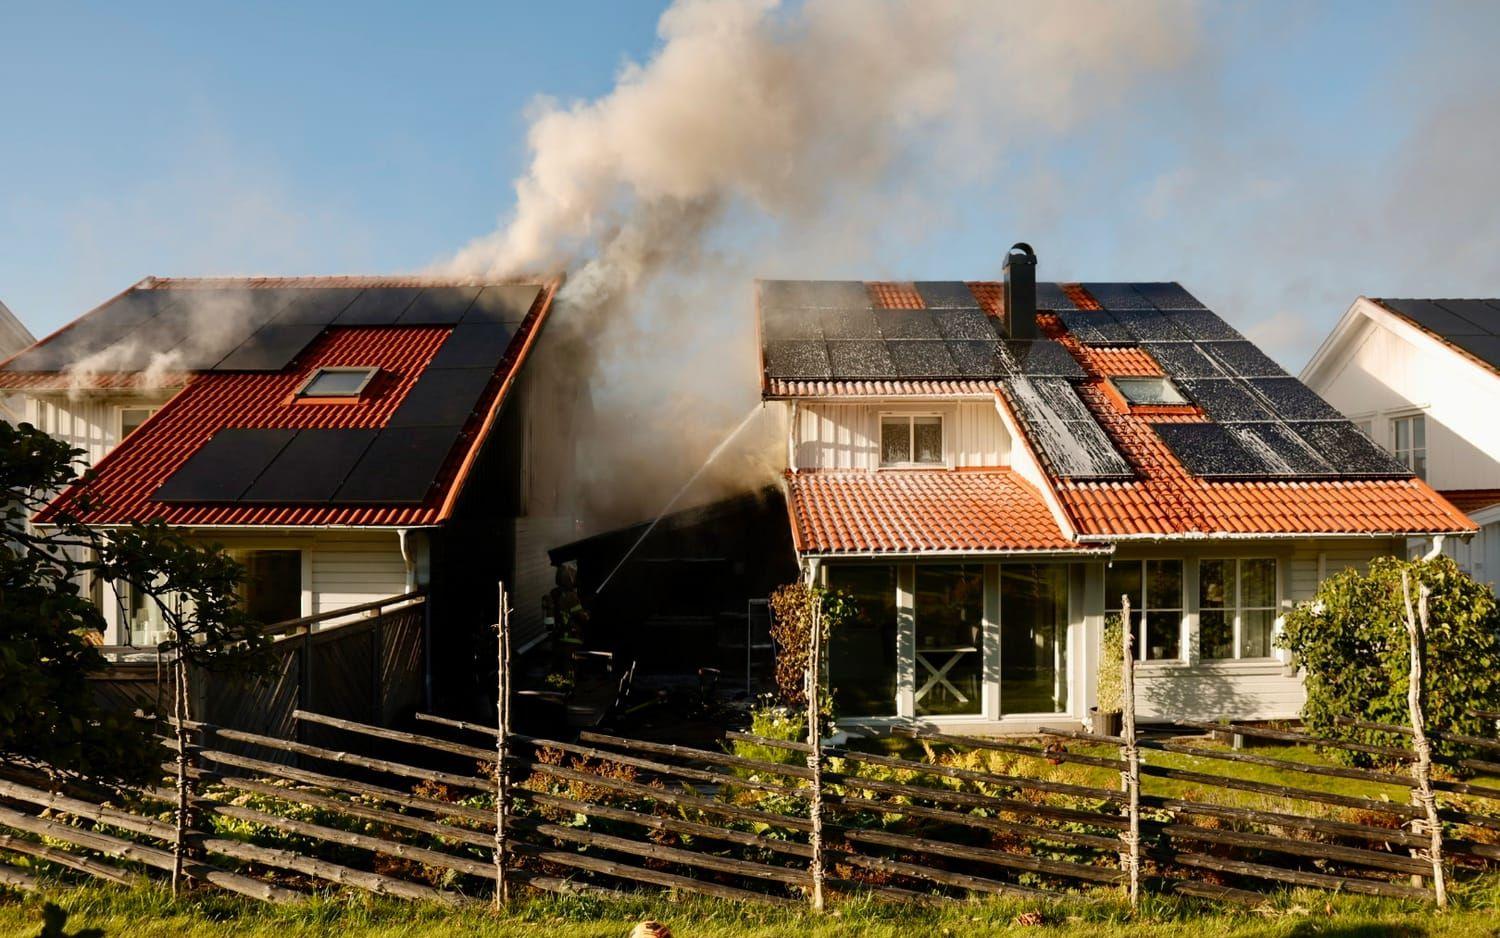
(1472, 325)
(1063, 430)
(236, 328)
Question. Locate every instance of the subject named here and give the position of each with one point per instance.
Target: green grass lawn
(151, 913)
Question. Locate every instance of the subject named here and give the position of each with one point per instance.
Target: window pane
(1033, 638)
(1255, 633)
(1403, 435)
(928, 434)
(1419, 463)
(1259, 588)
(895, 440)
(1215, 634)
(1123, 577)
(130, 418)
(1419, 432)
(1216, 584)
(336, 383)
(1164, 584)
(1163, 631)
(272, 589)
(862, 651)
(949, 625)
(1149, 391)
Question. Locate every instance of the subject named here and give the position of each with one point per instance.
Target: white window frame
(1408, 457)
(1181, 401)
(1138, 615)
(369, 371)
(1238, 607)
(120, 417)
(911, 438)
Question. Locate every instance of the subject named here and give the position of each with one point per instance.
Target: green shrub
(1351, 638)
(792, 608)
(1111, 689)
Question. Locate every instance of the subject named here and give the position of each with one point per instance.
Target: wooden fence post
(1130, 858)
(815, 755)
(502, 727)
(180, 820)
(1421, 768)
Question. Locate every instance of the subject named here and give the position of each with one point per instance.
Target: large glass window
(1409, 443)
(949, 613)
(862, 651)
(1155, 591)
(272, 588)
(1033, 638)
(911, 440)
(1236, 608)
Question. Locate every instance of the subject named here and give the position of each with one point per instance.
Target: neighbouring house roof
(1471, 327)
(1470, 501)
(1250, 452)
(237, 446)
(13, 335)
(920, 511)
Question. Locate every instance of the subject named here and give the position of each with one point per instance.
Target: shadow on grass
(1357, 930)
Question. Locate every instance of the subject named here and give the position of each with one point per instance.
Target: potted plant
(1110, 683)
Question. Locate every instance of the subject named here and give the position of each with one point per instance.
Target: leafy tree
(792, 609)
(1351, 638)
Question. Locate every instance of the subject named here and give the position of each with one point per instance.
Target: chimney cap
(1023, 247)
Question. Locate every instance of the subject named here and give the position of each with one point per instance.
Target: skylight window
(337, 382)
(1149, 390)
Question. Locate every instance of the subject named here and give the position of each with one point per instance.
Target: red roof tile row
(783, 387)
(1469, 501)
(894, 295)
(919, 510)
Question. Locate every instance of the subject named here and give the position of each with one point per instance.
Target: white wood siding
(351, 572)
(847, 436)
(90, 423)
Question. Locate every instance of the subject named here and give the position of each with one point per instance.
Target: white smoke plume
(767, 140)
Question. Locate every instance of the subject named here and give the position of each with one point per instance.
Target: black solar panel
(977, 359)
(907, 324)
(827, 294)
(1184, 360)
(792, 323)
(1348, 451)
(922, 358)
(270, 349)
(1044, 358)
(1096, 327)
(1225, 400)
(797, 358)
(946, 294)
(474, 345)
(866, 358)
(1051, 296)
(99, 330)
(846, 323)
(311, 467)
(1486, 348)
(1209, 450)
(1203, 325)
(1291, 400)
(1243, 359)
(1472, 325)
(506, 302)
(399, 467)
(377, 306)
(1486, 318)
(964, 323)
(1149, 325)
(224, 467)
(442, 397)
(1066, 435)
(439, 306)
(1168, 296)
(317, 306)
(1117, 296)
(1435, 316)
(1283, 451)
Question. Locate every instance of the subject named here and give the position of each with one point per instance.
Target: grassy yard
(153, 914)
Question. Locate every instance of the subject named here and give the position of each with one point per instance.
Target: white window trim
(150, 410)
(369, 371)
(1391, 419)
(1238, 608)
(1184, 635)
(911, 435)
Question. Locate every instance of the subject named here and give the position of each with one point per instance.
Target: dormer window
(911, 440)
(336, 383)
(1154, 391)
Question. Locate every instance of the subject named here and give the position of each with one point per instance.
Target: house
(13, 338)
(987, 468)
(1422, 378)
(348, 439)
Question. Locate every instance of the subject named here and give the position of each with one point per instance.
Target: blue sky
(1295, 157)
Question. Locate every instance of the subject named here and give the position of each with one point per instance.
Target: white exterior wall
(90, 422)
(847, 436)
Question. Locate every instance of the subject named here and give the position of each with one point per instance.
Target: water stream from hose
(717, 452)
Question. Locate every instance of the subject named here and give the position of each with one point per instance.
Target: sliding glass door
(1033, 638)
(948, 612)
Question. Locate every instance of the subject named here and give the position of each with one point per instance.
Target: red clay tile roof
(1469, 501)
(894, 295)
(786, 387)
(919, 510)
(104, 381)
(128, 475)
(1168, 500)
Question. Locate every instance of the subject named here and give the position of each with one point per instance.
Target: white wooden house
(1422, 379)
(13, 338)
(988, 467)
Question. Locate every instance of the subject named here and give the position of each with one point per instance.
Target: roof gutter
(1263, 536)
(1040, 554)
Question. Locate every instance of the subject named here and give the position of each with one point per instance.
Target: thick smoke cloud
(763, 140)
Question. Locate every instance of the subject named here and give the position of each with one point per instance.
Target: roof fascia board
(1029, 468)
(1198, 537)
(1072, 553)
(872, 398)
(1332, 344)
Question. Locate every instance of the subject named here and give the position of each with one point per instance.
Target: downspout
(1437, 547)
(409, 558)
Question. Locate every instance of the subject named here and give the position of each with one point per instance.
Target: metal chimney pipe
(1020, 291)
